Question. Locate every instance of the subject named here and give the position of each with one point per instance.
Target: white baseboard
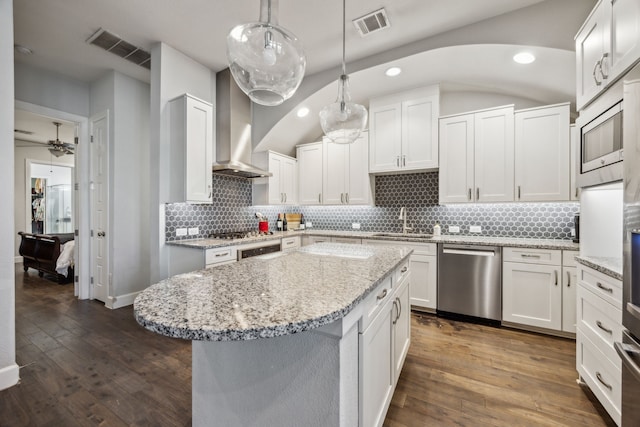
(9, 376)
(17, 259)
(121, 300)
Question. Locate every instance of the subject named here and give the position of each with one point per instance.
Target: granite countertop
(521, 242)
(609, 266)
(267, 296)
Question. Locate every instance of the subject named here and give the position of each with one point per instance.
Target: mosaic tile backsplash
(231, 210)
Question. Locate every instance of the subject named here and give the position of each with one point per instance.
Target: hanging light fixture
(266, 61)
(343, 120)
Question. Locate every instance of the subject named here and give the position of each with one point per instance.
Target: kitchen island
(315, 336)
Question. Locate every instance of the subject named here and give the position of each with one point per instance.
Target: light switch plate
(454, 229)
(355, 225)
(193, 230)
(475, 229)
(181, 232)
(308, 224)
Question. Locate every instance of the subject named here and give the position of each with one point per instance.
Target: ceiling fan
(57, 147)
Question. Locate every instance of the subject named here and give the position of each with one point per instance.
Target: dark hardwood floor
(83, 364)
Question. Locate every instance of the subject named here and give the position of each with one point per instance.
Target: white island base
(305, 379)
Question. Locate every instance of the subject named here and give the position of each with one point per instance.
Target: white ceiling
(42, 128)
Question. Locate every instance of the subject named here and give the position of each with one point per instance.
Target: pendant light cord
(344, 19)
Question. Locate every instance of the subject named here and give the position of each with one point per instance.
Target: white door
(335, 164)
(402, 327)
(625, 35)
(276, 196)
(420, 133)
(310, 174)
(358, 179)
(456, 159)
(289, 180)
(385, 137)
(99, 188)
(592, 43)
(569, 298)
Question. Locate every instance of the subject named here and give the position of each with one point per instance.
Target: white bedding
(65, 260)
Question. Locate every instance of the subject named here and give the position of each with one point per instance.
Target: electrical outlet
(355, 225)
(181, 232)
(475, 229)
(454, 229)
(308, 224)
(193, 230)
(573, 232)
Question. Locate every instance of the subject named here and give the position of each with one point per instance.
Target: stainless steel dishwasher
(470, 280)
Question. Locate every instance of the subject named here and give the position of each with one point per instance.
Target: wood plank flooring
(85, 365)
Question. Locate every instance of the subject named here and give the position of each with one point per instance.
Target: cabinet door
(276, 196)
(456, 159)
(424, 277)
(199, 150)
(569, 298)
(335, 164)
(532, 295)
(402, 327)
(592, 42)
(493, 154)
(289, 180)
(310, 174)
(420, 133)
(542, 154)
(358, 186)
(574, 158)
(625, 35)
(376, 369)
(385, 137)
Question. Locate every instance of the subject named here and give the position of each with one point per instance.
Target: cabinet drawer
(351, 240)
(310, 240)
(602, 285)
(375, 301)
(290, 242)
(532, 256)
(600, 322)
(602, 377)
(218, 256)
(401, 274)
(569, 258)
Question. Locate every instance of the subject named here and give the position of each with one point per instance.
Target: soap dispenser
(436, 229)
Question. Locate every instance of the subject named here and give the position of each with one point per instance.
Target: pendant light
(343, 121)
(266, 61)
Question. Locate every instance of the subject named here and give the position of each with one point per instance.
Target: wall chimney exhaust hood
(233, 130)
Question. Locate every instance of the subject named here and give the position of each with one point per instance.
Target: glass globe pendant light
(266, 61)
(343, 121)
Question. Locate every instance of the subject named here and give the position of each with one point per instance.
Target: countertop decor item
(266, 61)
(343, 120)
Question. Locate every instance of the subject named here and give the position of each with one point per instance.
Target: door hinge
(75, 278)
(76, 233)
(76, 186)
(92, 280)
(76, 140)
(91, 233)
(91, 138)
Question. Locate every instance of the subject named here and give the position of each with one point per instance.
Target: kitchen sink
(407, 235)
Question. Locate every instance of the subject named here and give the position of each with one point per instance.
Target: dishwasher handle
(468, 251)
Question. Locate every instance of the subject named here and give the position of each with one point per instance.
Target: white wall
(172, 74)
(21, 191)
(8, 368)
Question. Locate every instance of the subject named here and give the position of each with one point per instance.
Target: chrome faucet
(403, 218)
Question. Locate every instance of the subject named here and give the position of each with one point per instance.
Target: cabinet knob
(382, 295)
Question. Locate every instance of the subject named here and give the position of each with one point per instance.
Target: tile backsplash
(231, 210)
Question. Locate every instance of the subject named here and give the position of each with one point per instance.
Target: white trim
(9, 376)
(122, 300)
(17, 259)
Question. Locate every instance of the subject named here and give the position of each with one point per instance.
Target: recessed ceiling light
(22, 49)
(524, 58)
(393, 71)
(303, 112)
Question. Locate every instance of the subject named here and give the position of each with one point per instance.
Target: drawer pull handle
(568, 279)
(404, 269)
(382, 295)
(601, 326)
(555, 272)
(599, 377)
(604, 288)
(530, 256)
(395, 304)
(222, 254)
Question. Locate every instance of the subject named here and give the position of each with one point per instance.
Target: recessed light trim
(393, 71)
(302, 112)
(524, 57)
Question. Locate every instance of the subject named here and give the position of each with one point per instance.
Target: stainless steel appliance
(470, 281)
(252, 247)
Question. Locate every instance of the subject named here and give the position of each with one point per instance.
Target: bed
(48, 253)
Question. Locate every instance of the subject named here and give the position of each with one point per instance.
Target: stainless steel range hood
(233, 130)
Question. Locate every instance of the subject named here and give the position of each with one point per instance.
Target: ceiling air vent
(372, 22)
(114, 44)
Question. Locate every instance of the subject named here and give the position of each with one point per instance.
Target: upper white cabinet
(282, 187)
(191, 131)
(404, 131)
(346, 180)
(606, 46)
(542, 153)
(310, 173)
(476, 156)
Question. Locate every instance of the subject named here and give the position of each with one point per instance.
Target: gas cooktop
(232, 235)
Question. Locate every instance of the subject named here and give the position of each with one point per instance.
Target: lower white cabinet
(424, 277)
(290, 243)
(310, 240)
(351, 240)
(385, 336)
(599, 326)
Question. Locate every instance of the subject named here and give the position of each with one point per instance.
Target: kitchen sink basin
(407, 235)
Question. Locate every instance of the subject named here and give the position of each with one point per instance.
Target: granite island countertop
(608, 266)
(267, 296)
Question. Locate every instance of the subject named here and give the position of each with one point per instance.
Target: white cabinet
(424, 273)
(574, 158)
(309, 173)
(401, 326)
(290, 243)
(599, 325)
(191, 132)
(542, 153)
(349, 240)
(346, 180)
(311, 240)
(569, 291)
(606, 46)
(476, 156)
(220, 256)
(282, 187)
(404, 131)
